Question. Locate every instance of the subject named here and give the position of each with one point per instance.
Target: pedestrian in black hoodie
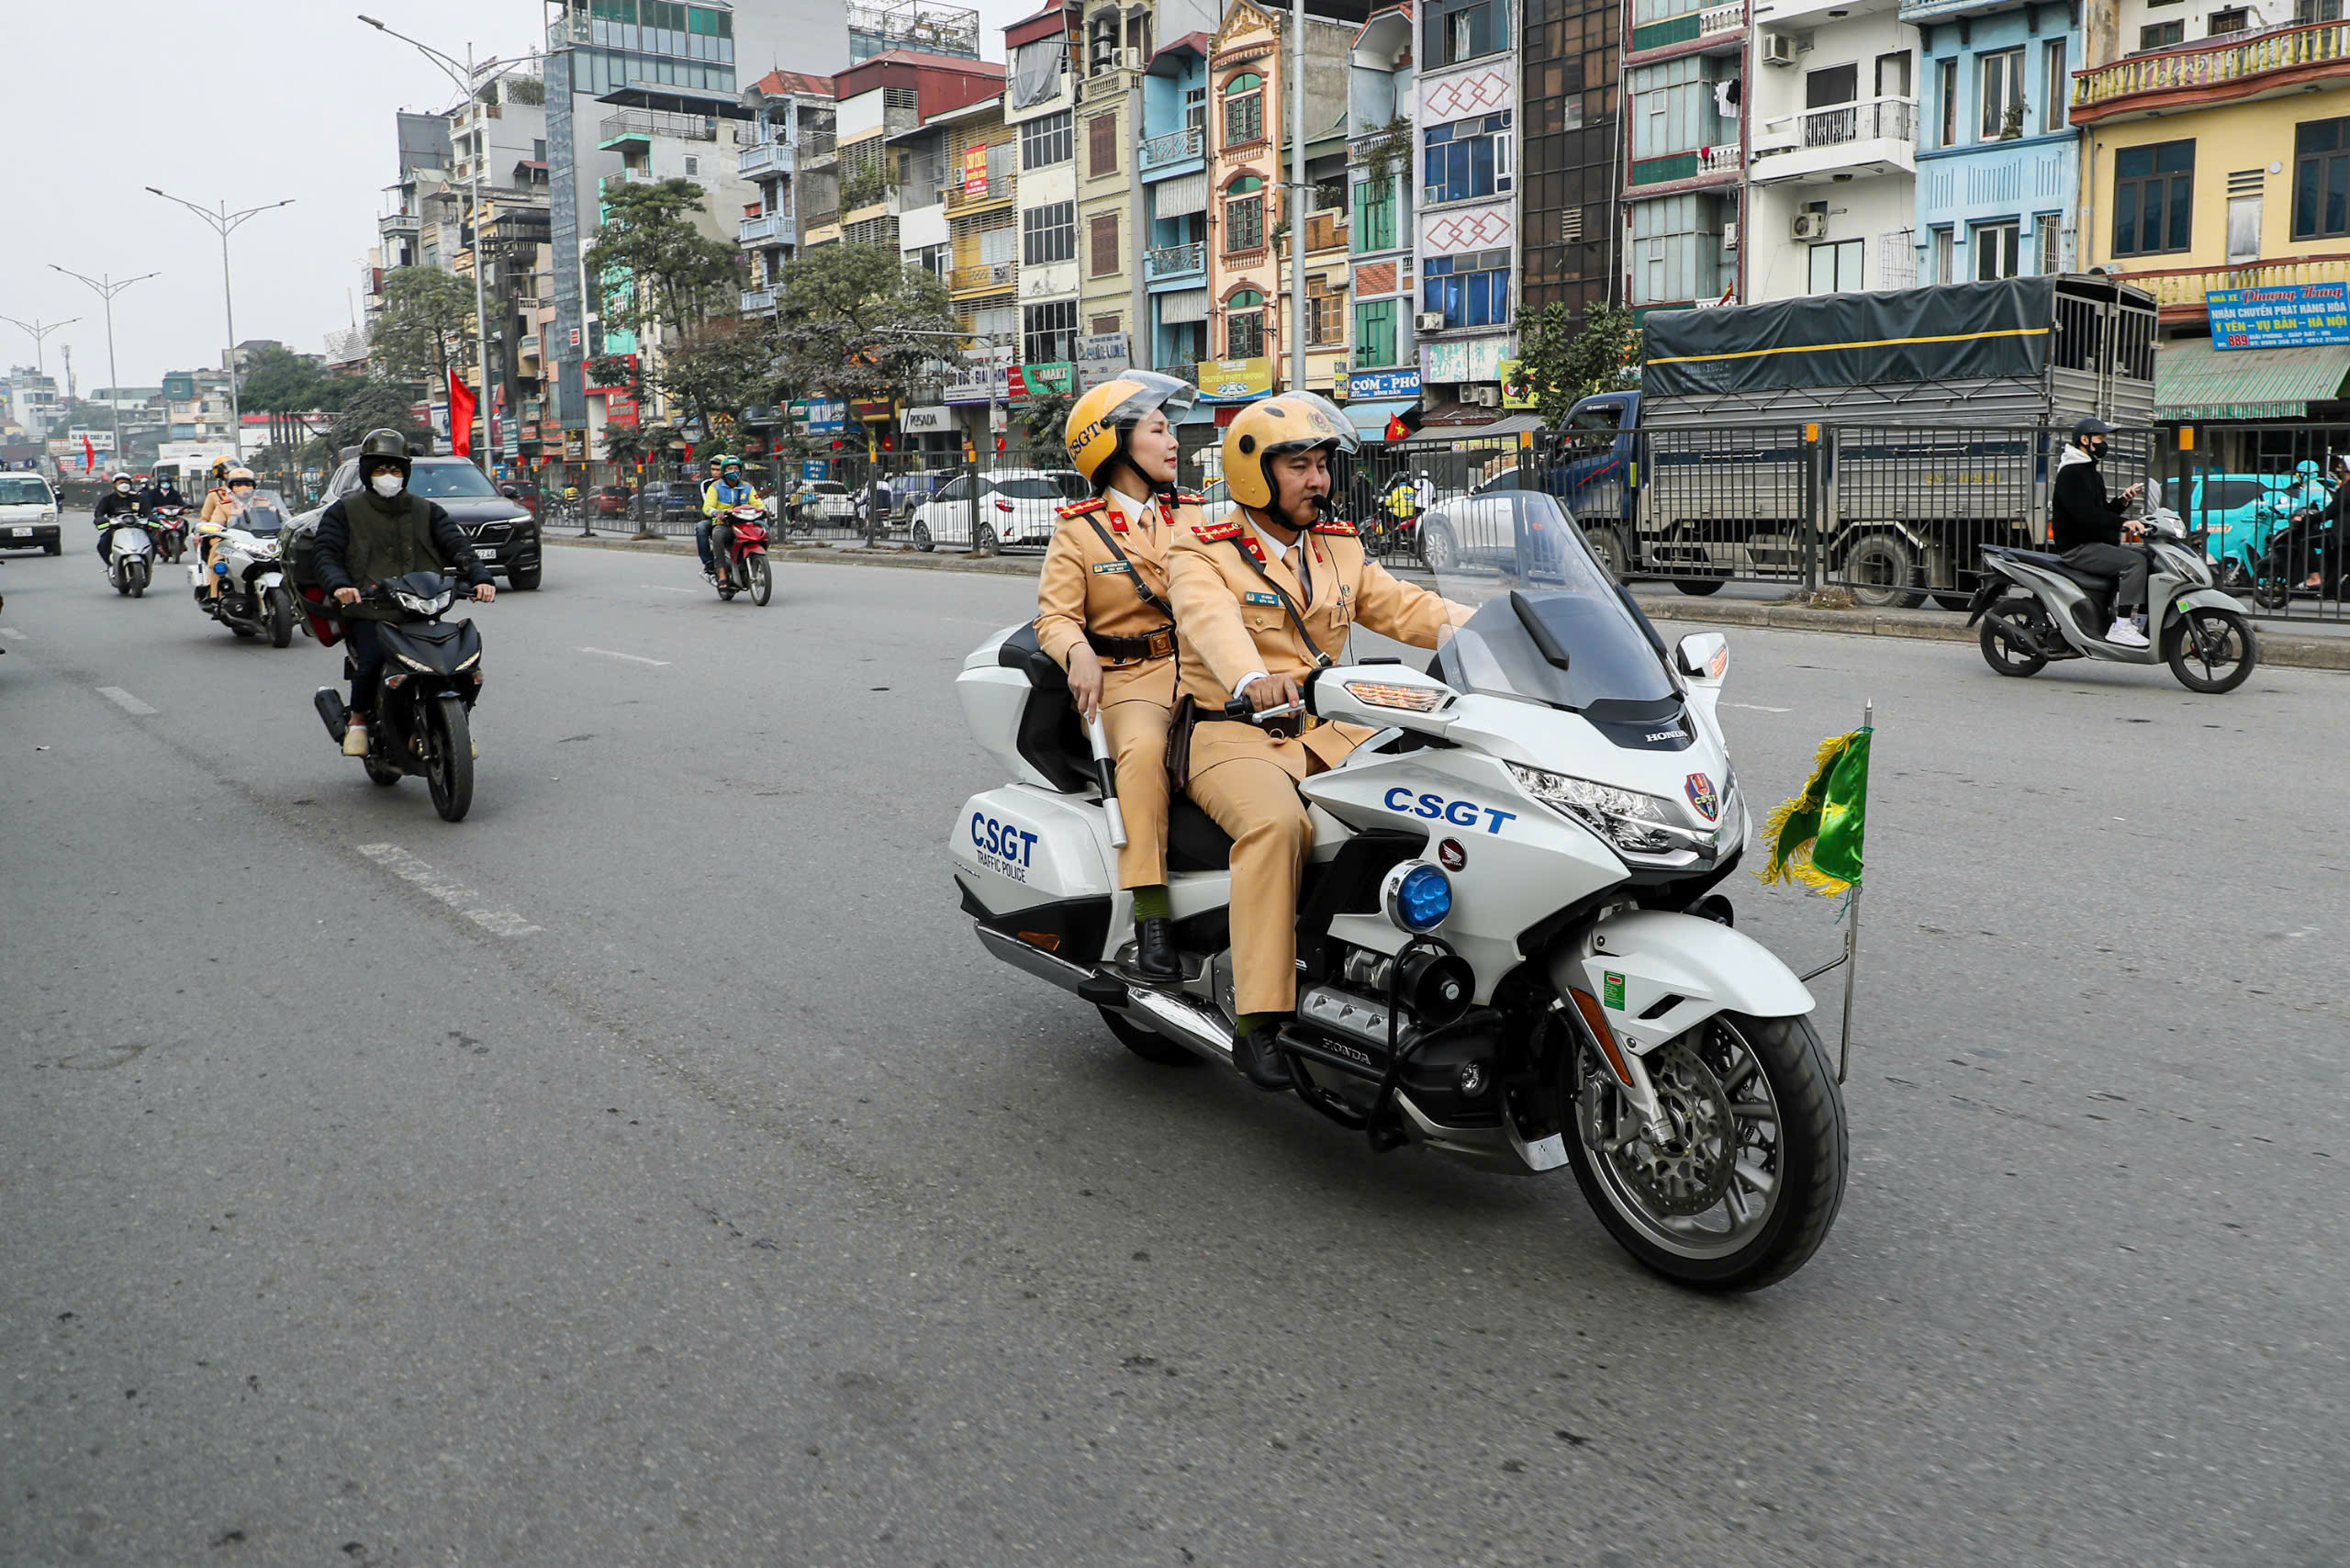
(2089, 529)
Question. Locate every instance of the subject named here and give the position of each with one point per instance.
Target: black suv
(503, 533)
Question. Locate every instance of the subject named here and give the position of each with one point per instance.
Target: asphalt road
(652, 1169)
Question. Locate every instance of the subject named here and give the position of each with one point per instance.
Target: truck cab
(1595, 470)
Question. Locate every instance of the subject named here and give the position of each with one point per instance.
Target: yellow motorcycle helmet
(1098, 424)
(1293, 421)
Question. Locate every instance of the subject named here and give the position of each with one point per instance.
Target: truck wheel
(1882, 572)
(1700, 588)
(1608, 545)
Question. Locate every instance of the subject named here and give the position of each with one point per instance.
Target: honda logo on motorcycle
(1701, 795)
(1451, 855)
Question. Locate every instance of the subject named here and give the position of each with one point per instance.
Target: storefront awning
(2195, 381)
(1371, 419)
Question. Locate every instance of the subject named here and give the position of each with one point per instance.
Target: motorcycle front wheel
(762, 580)
(1743, 1190)
(281, 619)
(449, 760)
(2210, 651)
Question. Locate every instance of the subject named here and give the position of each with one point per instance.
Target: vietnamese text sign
(975, 171)
(1385, 386)
(2290, 315)
(1236, 379)
(929, 419)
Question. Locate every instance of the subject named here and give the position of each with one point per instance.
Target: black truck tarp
(1964, 331)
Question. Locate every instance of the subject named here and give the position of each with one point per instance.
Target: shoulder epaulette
(1218, 531)
(1189, 498)
(1083, 509)
(1334, 525)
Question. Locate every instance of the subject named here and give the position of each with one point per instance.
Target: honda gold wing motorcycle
(1509, 946)
(423, 719)
(254, 596)
(743, 568)
(130, 557)
(2035, 608)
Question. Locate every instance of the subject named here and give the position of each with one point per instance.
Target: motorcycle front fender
(1679, 968)
(270, 580)
(2200, 599)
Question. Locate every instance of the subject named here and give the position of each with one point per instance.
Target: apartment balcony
(1168, 264)
(1720, 29)
(767, 229)
(1174, 152)
(962, 200)
(1798, 16)
(571, 28)
(1707, 163)
(1188, 371)
(764, 158)
(643, 127)
(394, 225)
(1875, 136)
(626, 177)
(2179, 291)
(757, 302)
(982, 277)
(2224, 69)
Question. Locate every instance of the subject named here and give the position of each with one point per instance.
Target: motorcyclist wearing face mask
(380, 530)
(216, 500)
(2089, 529)
(239, 487)
(117, 506)
(162, 490)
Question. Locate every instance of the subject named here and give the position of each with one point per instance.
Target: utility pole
(1296, 86)
(470, 82)
(41, 330)
(224, 222)
(106, 288)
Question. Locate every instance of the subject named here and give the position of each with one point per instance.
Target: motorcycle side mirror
(1703, 655)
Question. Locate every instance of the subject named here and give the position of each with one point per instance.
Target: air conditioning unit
(1429, 322)
(1483, 397)
(1811, 226)
(1730, 234)
(1778, 49)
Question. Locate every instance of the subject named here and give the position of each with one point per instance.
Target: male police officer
(1261, 597)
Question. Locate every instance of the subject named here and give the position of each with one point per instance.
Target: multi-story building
(1466, 243)
(792, 114)
(1570, 154)
(1831, 112)
(1384, 363)
(1999, 167)
(33, 401)
(1170, 165)
(915, 26)
(1040, 108)
(983, 180)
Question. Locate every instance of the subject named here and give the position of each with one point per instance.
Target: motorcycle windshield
(1547, 623)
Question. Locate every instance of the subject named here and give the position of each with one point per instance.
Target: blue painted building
(1998, 161)
(1172, 162)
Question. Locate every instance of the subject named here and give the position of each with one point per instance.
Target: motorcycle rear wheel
(1702, 1212)
(449, 758)
(381, 772)
(2003, 656)
(762, 580)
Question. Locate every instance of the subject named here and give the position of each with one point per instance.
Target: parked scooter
(422, 721)
(130, 557)
(742, 564)
(1510, 951)
(254, 595)
(2036, 607)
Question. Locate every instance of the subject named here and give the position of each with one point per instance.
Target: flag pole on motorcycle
(1815, 839)
(1105, 769)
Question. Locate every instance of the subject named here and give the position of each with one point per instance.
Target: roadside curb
(2280, 653)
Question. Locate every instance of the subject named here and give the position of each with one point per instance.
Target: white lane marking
(464, 900)
(1758, 707)
(125, 701)
(667, 588)
(632, 659)
(11, 632)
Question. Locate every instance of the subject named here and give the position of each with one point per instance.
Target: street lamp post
(106, 288)
(225, 222)
(39, 331)
(469, 82)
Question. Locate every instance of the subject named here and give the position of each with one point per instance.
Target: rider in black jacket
(162, 490)
(120, 504)
(2089, 529)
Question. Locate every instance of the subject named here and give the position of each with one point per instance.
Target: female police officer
(1102, 612)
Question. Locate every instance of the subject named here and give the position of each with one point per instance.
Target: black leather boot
(1154, 950)
(1259, 1059)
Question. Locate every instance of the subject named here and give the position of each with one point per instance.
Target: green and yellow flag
(1815, 838)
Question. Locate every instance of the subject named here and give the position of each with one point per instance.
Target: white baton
(1105, 768)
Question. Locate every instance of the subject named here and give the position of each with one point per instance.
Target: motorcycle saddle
(2095, 582)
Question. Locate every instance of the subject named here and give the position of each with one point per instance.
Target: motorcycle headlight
(411, 663)
(1641, 824)
(420, 606)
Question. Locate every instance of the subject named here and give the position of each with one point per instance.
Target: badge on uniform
(1261, 598)
(1112, 566)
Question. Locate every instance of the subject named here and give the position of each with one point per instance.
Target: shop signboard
(1383, 386)
(1235, 380)
(812, 468)
(1054, 375)
(975, 171)
(618, 383)
(872, 410)
(1100, 357)
(1521, 400)
(983, 375)
(2289, 316)
(820, 416)
(932, 419)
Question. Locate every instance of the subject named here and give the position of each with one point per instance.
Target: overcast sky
(247, 100)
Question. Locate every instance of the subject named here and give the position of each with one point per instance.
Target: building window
(2055, 85)
(1243, 325)
(1375, 333)
(1046, 140)
(1102, 145)
(2001, 96)
(1946, 95)
(1195, 109)
(1836, 266)
(1469, 290)
(1048, 234)
(1049, 334)
(1244, 110)
(1676, 250)
(1000, 244)
(1375, 215)
(1326, 316)
(2048, 245)
(1678, 110)
(1244, 215)
(2233, 20)
(2160, 35)
(1993, 247)
(2153, 191)
(1463, 30)
(1945, 263)
(1466, 159)
(2322, 179)
(1101, 245)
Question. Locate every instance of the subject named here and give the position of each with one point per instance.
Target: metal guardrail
(1174, 147)
(1173, 260)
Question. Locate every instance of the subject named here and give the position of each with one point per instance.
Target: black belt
(1287, 728)
(1158, 645)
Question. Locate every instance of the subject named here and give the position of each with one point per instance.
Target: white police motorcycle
(1510, 948)
(248, 564)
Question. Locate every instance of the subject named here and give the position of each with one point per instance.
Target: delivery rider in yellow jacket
(1102, 612)
(1262, 597)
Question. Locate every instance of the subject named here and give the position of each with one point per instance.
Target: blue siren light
(1419, 896)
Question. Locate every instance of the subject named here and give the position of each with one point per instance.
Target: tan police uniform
(1233, 624)
(1086, 594)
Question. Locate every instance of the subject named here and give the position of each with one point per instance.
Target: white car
(1015, 506)
(824, 501)
(28, 519)
(1472, 525)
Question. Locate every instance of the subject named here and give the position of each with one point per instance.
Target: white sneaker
(2125, 633)
(354, 740)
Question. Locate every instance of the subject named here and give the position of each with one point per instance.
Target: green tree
(1561, 359)
(372, 404)
(656, 271)
(1043, 422)
(284, 385)
(855, 321)
(426, 323)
